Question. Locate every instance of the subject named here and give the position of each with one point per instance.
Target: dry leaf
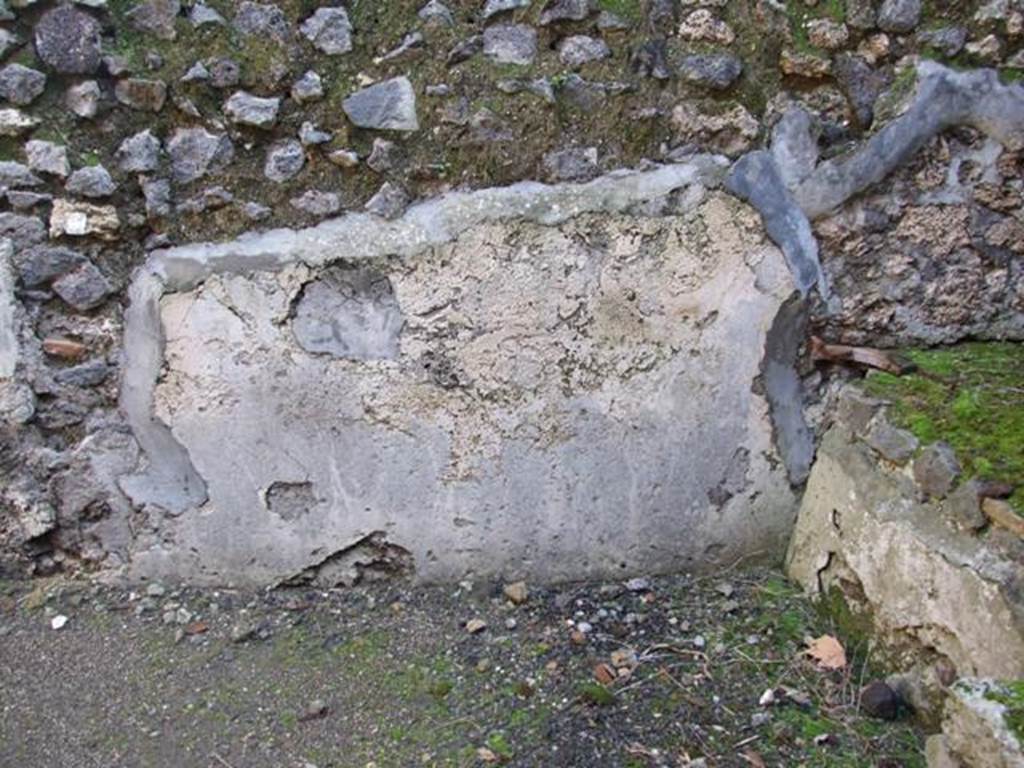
(828, 652)
(604, 674)
(753, 758)
(196, 628)
(486, 755)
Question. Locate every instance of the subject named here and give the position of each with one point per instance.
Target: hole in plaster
(371, 558)
(349, 312)
(290, 501)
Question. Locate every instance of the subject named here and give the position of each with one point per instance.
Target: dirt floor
(662, 672)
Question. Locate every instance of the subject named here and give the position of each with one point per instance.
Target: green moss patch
(1011, 696)
(972, 397)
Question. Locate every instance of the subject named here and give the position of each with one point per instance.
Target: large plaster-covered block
(562, 398)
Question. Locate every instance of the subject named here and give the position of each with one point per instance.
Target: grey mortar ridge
(8, 329)
(944, 98)
(170, 480)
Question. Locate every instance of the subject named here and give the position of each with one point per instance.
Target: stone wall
(233, 228)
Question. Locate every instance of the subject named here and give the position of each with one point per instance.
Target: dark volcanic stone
(880, 701)
(716, 70)
(68, 40)
(20, 84)
(42, 263)
(861, 84)
(83, 288)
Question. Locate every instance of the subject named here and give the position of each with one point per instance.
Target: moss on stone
(624, 9)
(1011, 696)
(970, 396)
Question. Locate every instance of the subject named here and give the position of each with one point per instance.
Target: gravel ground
(661, 672)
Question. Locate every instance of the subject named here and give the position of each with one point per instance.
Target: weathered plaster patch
(565, 392)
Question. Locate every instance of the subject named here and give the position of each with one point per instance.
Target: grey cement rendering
(8, 304)
(790, 188)
(527, 380)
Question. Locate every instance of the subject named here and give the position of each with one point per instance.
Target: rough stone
(157, 194)
(317, 203)
(83, 219)
(465, 50)
(224, 72)
(803, 64)
(308, 88)
(856, 409)
(861, 84)
(987, 50)
(383, 155)
(389, 202)
(386, 106)
(436, 13)
(39, 264)
(139, 153)
(84, 98)
(22, 231)
(947, 40)
(197, 73)
(565, 10)
(262, 20)
(976, 726)
(89, 374)
(84, 287)
(717, 71)
(576, 50)
(860, 14)
(510, 43)
(330, 31)
(936, 470)
(573, 164)
(155, 17)
(827, 34)
(14, 175)
(68, 41)
(937, 754)
(879, 700)
(20, 84)
(517, 592)
(246, 109)
(21, 200)
(139, 93)
(702, 25)
(201, 15)
(8, 40)
(195, 152)
(963, 506)
(731, 132)
(900, 16)
(47, 157)
(14, 122)
(310, 135)
(891, 443)
(930, 592)
(284, 161)
(91, 181)
(494, 7)
(344, 158)
(651, 60)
